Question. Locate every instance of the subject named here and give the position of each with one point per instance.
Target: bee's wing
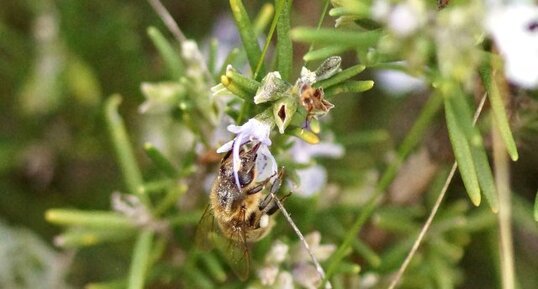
(236, 253)
(205, 230)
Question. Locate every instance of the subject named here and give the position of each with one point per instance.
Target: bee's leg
(269, 204)
(258, 187)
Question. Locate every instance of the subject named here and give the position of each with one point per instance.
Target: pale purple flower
(321, 252)
(514, 29)
(303, 152)
(403, 19)
(276, 255)
(307, 276)
(252, 130)
(397, 82)
(313, 178)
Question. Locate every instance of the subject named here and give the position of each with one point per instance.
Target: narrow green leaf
(160, 161)
(169, 55)
(214, 267)
(284, 47)
(139, 263)
(172, 195)
(122, 146)
(246, 31)
(499, 112)
(354, 8)
(246, 84)
(342, 250)
(92, 219)
(263, 18)
(330, 36)
(350, 86)
(85, 237)
(325, 52)
(462, 151)
(236, 89)
(485, 176)
(476, 144)
(198, 278)
(116, 284)
(536, 208)
(340, 76)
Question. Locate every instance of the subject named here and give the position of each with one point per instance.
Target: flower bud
(328, 68)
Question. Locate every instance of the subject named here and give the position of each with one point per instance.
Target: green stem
(502, 179)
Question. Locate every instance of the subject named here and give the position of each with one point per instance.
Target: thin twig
(433, 212)
(320, 270)
(172, 26)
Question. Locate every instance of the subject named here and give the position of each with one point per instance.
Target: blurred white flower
(303, 152)
(276, 255)
(321, 252)
(403, 19)
(380, 10)
(313, 178)
(193, 57)
(397, 82)
(160, 97)
(514, 29)
(284, 281)
(252, 130)
(268, 274)
(307, 276)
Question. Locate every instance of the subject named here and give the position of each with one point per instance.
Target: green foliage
(371, 204)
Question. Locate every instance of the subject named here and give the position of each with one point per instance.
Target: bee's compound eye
(264, 221)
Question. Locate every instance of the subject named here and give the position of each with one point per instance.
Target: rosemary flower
(252, 130)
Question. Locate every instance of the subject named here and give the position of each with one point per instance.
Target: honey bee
(314, 102)
(243, 215)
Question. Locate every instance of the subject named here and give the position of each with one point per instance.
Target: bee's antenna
(320, 270)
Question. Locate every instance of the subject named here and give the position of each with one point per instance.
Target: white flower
(252, 130)
(307, 276)
(321, 252)
(514, 29)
